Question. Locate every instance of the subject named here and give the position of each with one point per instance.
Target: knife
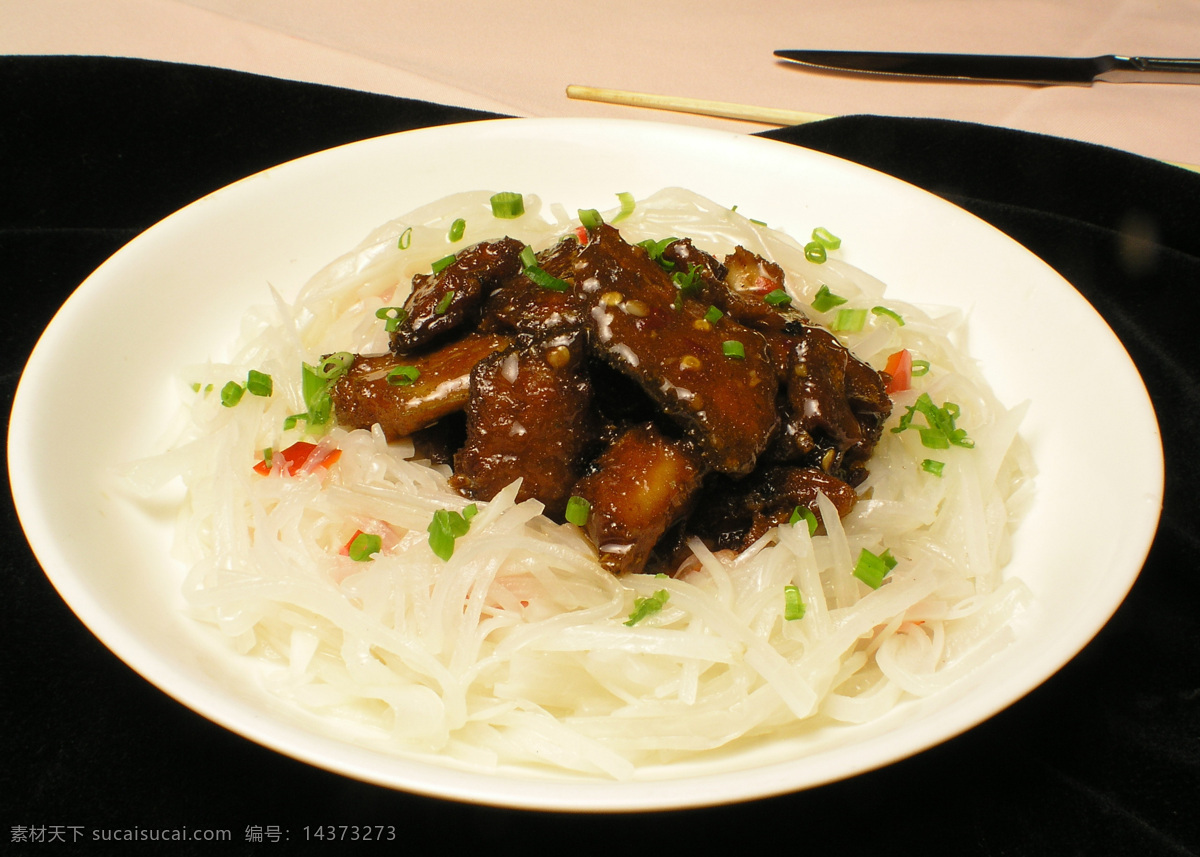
(1040, 71)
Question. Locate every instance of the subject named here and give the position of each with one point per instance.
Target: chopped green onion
(403, 376)
(654, 249)
(289, 422)
(933, 466)
(894, 316)
(590, 218)
(405, 239)
(713, 315)
(447, 526)
(315, 383)
(195, 386)
(733, 348)
(546, 281)
(528, 257)
(335, 365)
(444, 302)
(941, 431)
(849, 320)
(507, 205)
(457, 228)
(803, 513)
(871, 568)
(259, 383)
(826, 238)
(778, 298)
(393, 317)
(814, 251)
(231, 394)
(648, 606)
(627, 206)
(793, 606)
(577, 511)
(757, 222)
(363, 546)
(919, 368)
(688, 284)
(442, 264)
(826, 300)
(268, 456)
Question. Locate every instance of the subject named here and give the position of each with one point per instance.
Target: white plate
(95, 395)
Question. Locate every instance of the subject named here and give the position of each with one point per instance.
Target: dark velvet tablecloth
(1102, 759)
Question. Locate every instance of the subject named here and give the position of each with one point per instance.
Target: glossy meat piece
(733, 515)
(520, 305)
(835, 404)
(748, 280)
(640, 486)
(440, 302)
(527, 418)
(725, 404)
(363, 397)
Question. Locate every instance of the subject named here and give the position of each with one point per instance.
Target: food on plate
(409, 487)
(633, 377)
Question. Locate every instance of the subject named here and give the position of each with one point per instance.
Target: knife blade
(996, 68)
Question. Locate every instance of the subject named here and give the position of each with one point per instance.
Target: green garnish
(713, 315)
(442, 264)
(654, 249)
(648, 606)
(447, 526)
(405, 239)
(444, 302)
(814, 251)
(919, 368)
(315, 383)
(627, 206)
(826, 300)
(590, 218)
(849, 320)
(457, 228)
(688, 285)
(259, 383)
(403, 376)
(507, 205)
(528, 257)
(803, 513)
(577, 511)
(793, 606)
(545, 280)
(871, 568)
(930, 465)
(363, 546)
(894, 316)
(231, 394)
(942, 431)
(733, 349)
(393, 317)
(778, 298)
(826, 239)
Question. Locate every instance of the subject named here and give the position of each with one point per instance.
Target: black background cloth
(1102, 759)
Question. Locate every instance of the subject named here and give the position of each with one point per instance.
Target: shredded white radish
(516, 650)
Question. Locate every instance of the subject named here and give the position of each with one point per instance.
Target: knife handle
(1150, 70)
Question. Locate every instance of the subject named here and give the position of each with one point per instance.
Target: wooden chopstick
(697, 106)
(720, 109)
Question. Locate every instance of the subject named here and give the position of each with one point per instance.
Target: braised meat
(677, 394)
(714, 379)
(639, 487)
(441, 301)
(528, 418)
(404, 394)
